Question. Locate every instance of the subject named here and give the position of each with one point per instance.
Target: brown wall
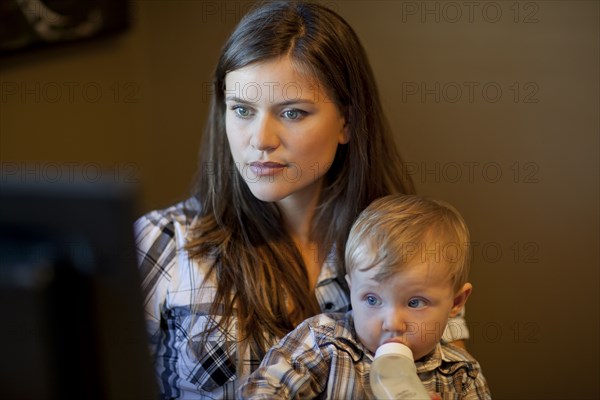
(495, 107)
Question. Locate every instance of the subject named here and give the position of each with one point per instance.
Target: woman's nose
(265, 135)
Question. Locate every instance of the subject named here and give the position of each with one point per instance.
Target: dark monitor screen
(70, 302)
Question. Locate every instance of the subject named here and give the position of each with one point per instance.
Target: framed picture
(26, 24)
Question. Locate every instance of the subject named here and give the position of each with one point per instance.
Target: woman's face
(283, 131)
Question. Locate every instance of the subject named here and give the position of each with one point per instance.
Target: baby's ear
(348, 281)
(460, 298)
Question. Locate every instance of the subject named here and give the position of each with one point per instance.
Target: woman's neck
(298, 211)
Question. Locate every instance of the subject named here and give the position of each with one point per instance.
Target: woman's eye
(372, 300)
(416, 303)
(241, 112)
(293, 114)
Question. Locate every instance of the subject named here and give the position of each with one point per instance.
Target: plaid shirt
(322, 358)
(176, 309)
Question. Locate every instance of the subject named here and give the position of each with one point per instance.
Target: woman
(296, 145)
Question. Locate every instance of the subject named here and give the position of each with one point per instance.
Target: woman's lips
(267, 168)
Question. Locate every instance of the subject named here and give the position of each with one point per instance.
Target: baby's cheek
(368, 334)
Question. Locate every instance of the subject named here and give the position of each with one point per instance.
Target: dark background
(495, 106)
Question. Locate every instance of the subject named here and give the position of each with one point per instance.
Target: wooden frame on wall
(28, 24)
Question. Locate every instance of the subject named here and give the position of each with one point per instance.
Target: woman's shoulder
(165, 223)
(161, 234)
(181, 214)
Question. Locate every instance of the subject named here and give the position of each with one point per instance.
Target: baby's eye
(417, 303)
(372, 300)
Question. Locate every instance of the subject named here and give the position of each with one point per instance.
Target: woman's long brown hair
(259, 271)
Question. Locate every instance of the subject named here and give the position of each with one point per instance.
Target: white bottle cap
(394, 348)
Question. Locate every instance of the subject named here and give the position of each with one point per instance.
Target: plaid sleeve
(455, 374)
(294, 368)
(177, 293)
(478, 389)
(156, 256)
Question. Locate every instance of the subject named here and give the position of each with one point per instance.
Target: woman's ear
(460, 298)
(345, 133)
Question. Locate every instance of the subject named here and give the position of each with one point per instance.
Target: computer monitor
(70, 302)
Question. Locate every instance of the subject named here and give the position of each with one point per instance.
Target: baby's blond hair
(399, 230)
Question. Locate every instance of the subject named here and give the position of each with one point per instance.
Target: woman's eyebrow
(237, 99)
(281, 104)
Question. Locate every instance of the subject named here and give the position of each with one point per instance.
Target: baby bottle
(394, 375)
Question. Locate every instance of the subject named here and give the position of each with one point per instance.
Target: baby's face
(411, 307)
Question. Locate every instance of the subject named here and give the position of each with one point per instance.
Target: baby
(407, 267)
